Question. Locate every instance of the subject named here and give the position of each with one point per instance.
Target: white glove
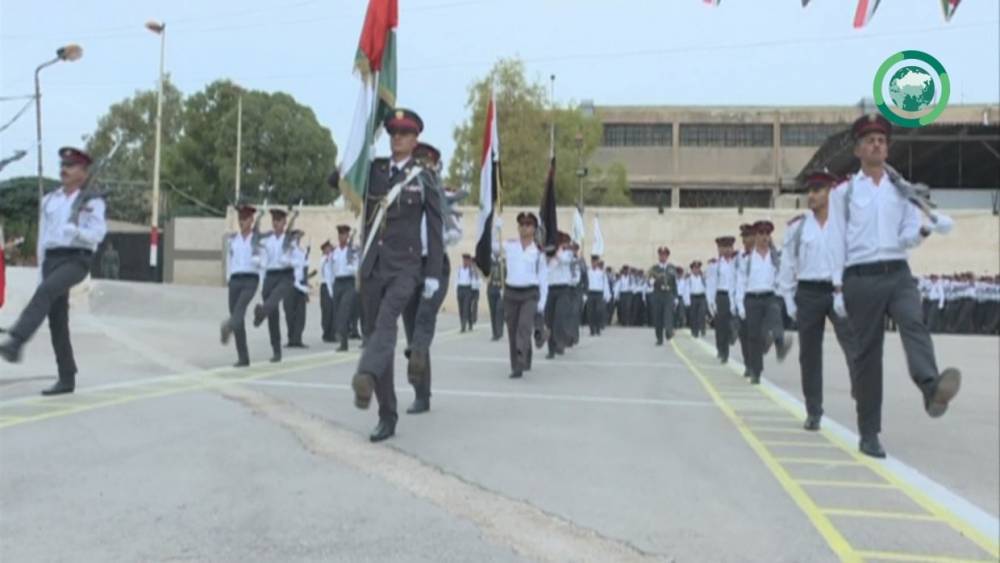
(790, 306)
(329, 289)
(256, 261)
(301, 288)
(742, 312)
(541, 309)
(286, 260)
(70, 230)
(497, 222)
(838, 305)
(431, 286)
(942, 224)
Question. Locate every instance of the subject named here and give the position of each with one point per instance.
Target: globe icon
(911, 89)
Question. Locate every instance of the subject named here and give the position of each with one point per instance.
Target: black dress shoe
(560, 352)
(275, 359)
(10, 350)
(258, 316)
(59, 388)
(417, 367)
(385, 430)
(870, 446)
(495, 338)
(659, 343)
(550, 355)
(419, 406)
(342, 347)
(812, 423)
(363, 385)
(784, 347)
(241, 365)
(754, 380)
(225, 331)
(945, 389)
(296, 345)
(747, 374)
(516, 374)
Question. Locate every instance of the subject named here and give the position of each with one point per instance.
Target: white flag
(597, 248)
(578, 229)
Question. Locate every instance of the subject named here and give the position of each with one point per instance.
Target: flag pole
(552, 106)
(368, 177)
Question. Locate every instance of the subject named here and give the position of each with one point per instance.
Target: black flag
(547, 213)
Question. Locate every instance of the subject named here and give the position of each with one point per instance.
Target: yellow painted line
(763, 418)
(800, 444)
(990, 545)
(816, 461)
(880, 514)
(798, 431)
(918, 558)
(837, 542)
(845, 484)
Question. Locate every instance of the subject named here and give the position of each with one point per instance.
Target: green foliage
(19, 209)
(525, 119)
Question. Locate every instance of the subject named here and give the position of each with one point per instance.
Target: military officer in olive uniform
(403, 208)
(664, 277)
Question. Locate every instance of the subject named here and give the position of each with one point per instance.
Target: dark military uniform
(662, 298)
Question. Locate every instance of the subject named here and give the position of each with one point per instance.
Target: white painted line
(500, 394)
(559, 361)
(985, 523)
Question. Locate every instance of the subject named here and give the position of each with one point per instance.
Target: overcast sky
(663, 52)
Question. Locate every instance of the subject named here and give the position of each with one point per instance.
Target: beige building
(727, 156)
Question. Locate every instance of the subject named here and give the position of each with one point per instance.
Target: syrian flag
(375, 65)
(597, 247)
(489, 188)
(547, 234)
(949, 7)
(863, 15)
(711, 2)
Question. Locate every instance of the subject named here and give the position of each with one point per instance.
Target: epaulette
(796, 219)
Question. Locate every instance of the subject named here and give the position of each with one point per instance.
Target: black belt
(343, 279)
(558, 286)
(66, 252)
(245, 276)
(876, 268)
(816, 285)
(722, 292)
(288, 271)
(526, 288)
(596, 292)
(697, 296)
(761, 295)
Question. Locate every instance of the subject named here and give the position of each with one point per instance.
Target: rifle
(286, 244)
(918, 194)
(84, 196)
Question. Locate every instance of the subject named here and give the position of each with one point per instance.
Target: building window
(808, 134)
(726, 135)
(739, 198)
(638, 134)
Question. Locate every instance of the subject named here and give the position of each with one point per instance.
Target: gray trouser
(494, 296)
(61, 270)
(519, 308)
(558, 308)
(868, 298)
(277, 288)
(464, 295)
(723, 324)
(814, 301)
(764, 323)
(295, 315)
(662, 303)
(384, 295)
(697, 312)
(344, 299)
(326, 312)
(420, 323)
(242, 288)
(595, 311)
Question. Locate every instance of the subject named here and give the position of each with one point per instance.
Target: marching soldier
(71, 226)
(420, 315)
(403, 210)
(279, 277)
(623, 296)
(110, 262)
(875, 220)
(559, 305)
(243, 269)
(578, 285)
(806, 285)
(597, 288)
(757, 302)
(748, 238)
(682, 302)
(344, 266)
(463, 289)
(664, 276)
(326, 292)
(494, 295)
(699, 302)
(295, 305)
(525, 292)
(720, 295)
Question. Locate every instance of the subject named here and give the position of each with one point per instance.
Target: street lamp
(580, 170)
(160, 29)
(69, 53)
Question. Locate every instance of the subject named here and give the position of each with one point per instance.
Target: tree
(524, 125)
(607, 188)
(19, 209)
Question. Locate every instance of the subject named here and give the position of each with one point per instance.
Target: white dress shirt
(762, 276)
(596, 280)
(299, 261)
(326, 271)
(721, 277)
(57, 210)
(936, 293)
(526, 267)
(559, 271)
(696, 285)
(277, 258)
(343, 264)
(241, 256)
(812, 261)
(883, 225)
(684, 290)
(474, 280)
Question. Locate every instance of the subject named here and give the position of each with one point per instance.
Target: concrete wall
(631, 236)
(193, 251)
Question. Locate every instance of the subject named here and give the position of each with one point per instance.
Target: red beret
(326, 244)
(871, 123)
(663, 250)
(246, 211)
(763, 227)
(820, 179)
(527, 217)
(343, 229)
(746, 229)
(725, 241)
(73, 155)
(428, 152)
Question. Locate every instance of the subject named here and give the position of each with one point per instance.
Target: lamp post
(580, 170)
(160, 29)
(69, 53)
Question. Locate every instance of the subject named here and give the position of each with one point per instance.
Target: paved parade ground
(617, 451)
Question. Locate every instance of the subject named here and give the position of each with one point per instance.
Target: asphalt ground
(617, 451)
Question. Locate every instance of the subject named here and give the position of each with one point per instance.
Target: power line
(17, 115)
